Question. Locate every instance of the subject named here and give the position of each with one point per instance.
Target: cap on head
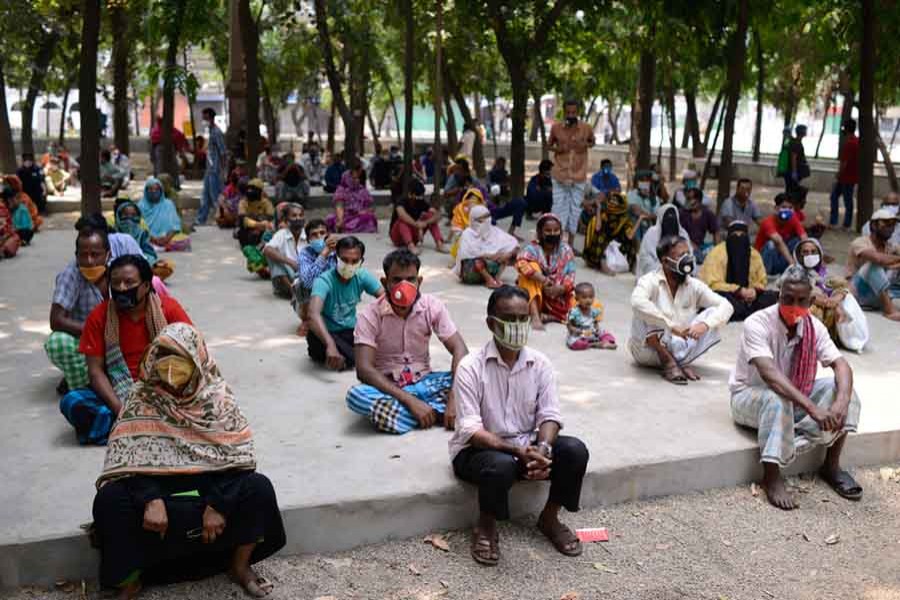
(883, 214)
(257, 183)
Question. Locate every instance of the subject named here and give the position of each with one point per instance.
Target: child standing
(583, 323)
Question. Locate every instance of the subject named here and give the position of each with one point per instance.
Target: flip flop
(675, 375)
(561, 536)
(843, 484)
(482, 548)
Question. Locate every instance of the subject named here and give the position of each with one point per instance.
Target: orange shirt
(571, 158)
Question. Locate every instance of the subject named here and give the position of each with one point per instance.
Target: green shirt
(340, 298)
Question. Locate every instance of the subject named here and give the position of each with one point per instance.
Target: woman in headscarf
(162, 219)
(667, 223)
(734, 269)
(547, 272)
(484, 250)
(179, 497)
(15, 183)
(831, 297)
(9, 239)
(128, 221)
(610, 223)
(353, 205)
(255, 216)
(227, 206)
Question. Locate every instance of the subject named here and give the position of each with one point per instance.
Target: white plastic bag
(615, 260)
(854, 330)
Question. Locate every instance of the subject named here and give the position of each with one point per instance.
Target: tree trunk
(493, 108)
(760, 87)
(7, 149)
(517, 141)
(469, 122)
(334, 77)
(375, 133)
(846, 113)
(452, 136)
(712, 151)
(867, 57)
(642, 125)
(888, 163)
(35, 85)
(828, 102)
(894, 135)
(408, 83)
(612, 115)
(437, 153)
(329, 144)
(542, 129)
(737, 56)
(121, 49)
(710, 122)
(535, 117)
(169, 158)
(250, 43)
(670, 108)
(691, 126)
(396, 115)
(270, 115)
(137, 113)
(89, 169)
(62, 115)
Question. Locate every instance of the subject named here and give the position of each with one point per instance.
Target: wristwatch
(545, 449)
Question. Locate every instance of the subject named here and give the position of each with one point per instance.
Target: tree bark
(828, 102)
(867, 57)
(691, 126)
(331, 72)
(535, 117)
(7, 149)
(517, 141)
(174, 29)
(670, 108)
(737, 56)
(642, 125)
(375, 133)
(250, 42)
(408, 83)
(329, 144)
(469, 122)
(35, 85)
(62, 113)
(542, 129)
(452, 134)
(612, 115)
(712, 152)
(89, 169)
(846, 113)
(121, 50)
(760, 87)
(710, 122)
(894, 135)
(270, 114)
(437, 152)
(888, 163)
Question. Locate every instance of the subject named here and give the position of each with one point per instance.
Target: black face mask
(552, 240)
(292, 178)
(253, 194)
(126, 299)
(571, 121)
(296, 225)
(669, 225)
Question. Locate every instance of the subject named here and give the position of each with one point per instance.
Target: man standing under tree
(570, 142)
(215, 163)
(847, 176)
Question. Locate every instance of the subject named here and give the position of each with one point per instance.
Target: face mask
(514, 334)
(27, 164)
(292, 178)
(690, 184)
(683, 266)
(125, 299)
(93, 274)
(175, 371)
(483, 228)
(570, 121)
(296, 225)
(253, 194)
(552, 240)
(154, 196)
(404, 294)
(792, 314)
(811, 261)
(346, 271)
(130, 224)
(785, 214)
(318, 245)
(894, 209)
(607, 170)
(644, 186)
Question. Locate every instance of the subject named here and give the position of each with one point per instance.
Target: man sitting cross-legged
(399, 391)
(675, 314)
(507, 425)
(332, 306)
(775, 391)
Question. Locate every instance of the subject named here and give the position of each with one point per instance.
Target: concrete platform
(339, 483)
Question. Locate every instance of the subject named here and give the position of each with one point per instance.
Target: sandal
(843, 484)
(484, 549)
(673, 374)
(561, 537)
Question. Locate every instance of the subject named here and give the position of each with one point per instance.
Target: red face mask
(404, 294)
(792, 314)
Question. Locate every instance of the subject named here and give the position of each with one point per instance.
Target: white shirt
(284, 242)
(652, 302)
(766, 336)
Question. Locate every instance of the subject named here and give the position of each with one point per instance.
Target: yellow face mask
(93, 274)
(175, 371)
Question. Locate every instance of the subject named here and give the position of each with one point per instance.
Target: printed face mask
(512, 334)
(93, 274)
(683, 266)
(175, 371)
(792, 314)
(345, 270)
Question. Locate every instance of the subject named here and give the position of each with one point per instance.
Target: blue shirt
(312, 264)
(605, 183)
(341, 298)
(215, 153)
(333, 174)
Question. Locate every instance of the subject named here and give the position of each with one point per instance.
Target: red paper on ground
(595, 534)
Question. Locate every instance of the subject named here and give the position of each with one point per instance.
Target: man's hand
(826, 419)
(450, 414)
(334, 360)
(681, 332)
(839, 411)
(155, 517)
(213, 525)
(537, 466)
(697, 330)
(424, 414)
(747, 294)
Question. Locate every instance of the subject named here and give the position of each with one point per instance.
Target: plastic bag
(853, 332)
(615, 260)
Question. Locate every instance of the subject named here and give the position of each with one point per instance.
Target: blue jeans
(845, 189)
(514, 208)
(212, 187)
(773, 260)
(870, 282)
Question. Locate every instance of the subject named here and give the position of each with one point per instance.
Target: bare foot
(253, 584)
(537, 324)
(778, 495)
(894, 316)
(690, 373)
(413, 248)
(441, 249)
(492, 284)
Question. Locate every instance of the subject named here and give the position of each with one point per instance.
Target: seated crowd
(139, 378)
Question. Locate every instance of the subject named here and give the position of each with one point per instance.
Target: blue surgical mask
(690, 184)
(785, 214)
(318, 245)
(607, 170)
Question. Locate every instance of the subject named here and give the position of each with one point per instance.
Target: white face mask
(894, 209)
(514, 333)
(811, 261)
(483, 228)
(345, 270)
(644, 186)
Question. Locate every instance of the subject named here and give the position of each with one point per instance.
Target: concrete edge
(341, 526)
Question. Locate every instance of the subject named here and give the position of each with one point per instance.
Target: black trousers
(742, 310)
(127, 548)
(495, 472)
(342, 339)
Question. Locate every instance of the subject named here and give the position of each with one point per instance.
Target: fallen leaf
(663, 546)
(65, 586)
(437, 541)
(886, 473)
(754, 490)
(805, 537)
(603, 568)
(414, 570)
(832, 539)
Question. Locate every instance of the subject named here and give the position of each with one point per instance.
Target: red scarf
(804, 360)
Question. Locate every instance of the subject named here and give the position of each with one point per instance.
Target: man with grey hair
(774, 390)
(282, 251)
